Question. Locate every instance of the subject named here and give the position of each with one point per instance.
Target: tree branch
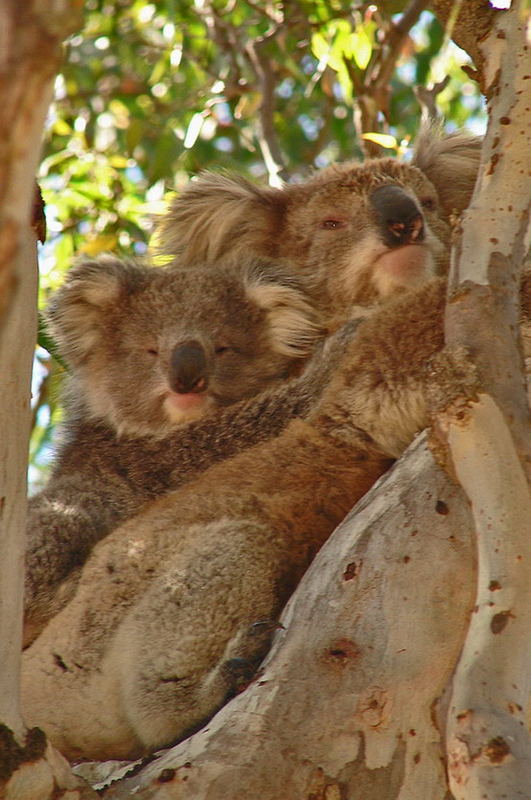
(373, 96)
(469, 29)
(30, 54)
(489, 752)
(331, 714)
(267, 135)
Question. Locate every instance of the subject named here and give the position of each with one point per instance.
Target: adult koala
(156, 355)
(168, 603)
(356, 233)
(147, 576)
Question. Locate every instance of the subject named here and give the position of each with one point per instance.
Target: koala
(356, 233)
(349, 227)
(157, 356)
(151, 348)
(172, 603)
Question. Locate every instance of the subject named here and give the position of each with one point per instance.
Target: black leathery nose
(400, 218)
(188, 368)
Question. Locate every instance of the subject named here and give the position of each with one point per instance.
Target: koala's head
(356, 233)
(151, 348)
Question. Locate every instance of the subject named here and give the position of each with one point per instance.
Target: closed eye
(152, 351)
(332, 224)
(428, 203)
(222, 349)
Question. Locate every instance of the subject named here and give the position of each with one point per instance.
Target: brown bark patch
(166, 775)
(497, 750)
(375, 707)
(499, 621)
(351, 570)
(341, 652)
(441, 508)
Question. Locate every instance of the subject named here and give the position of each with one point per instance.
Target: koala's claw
(239, 672)
(265, 626)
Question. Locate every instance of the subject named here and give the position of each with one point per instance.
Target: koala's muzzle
(188, 368)
(400, 218)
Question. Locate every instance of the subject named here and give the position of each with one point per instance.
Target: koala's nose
(400, 218)
(188, 368)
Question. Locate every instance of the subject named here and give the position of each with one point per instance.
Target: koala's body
(153, 353)
(167, 604)
(356, 233)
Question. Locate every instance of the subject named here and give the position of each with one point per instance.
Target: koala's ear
(76, 310)
(294, 323)
(451, 162)
(216, 213)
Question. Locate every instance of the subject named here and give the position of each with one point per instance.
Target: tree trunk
(489, 441)
(30, 38)
(468, 23)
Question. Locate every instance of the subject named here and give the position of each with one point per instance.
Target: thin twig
(267, 136)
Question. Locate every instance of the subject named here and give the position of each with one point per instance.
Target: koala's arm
(86, 496)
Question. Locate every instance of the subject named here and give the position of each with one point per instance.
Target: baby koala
(153, 352)
(154, 348)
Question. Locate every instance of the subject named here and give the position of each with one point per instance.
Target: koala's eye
(152, 351)
(332, 224)
(223, 349)
(428, 203)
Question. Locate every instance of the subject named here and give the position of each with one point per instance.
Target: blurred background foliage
(152, 93)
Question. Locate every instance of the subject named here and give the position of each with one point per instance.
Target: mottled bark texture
(489, 439)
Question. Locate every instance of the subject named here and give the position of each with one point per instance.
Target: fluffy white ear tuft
(451, 162)
(76, 310)
(294, 324)
(213, 214)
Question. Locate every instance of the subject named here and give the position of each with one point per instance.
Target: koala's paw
(252, 646)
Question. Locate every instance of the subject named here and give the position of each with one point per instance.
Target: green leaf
(361, 47)
(320, 47)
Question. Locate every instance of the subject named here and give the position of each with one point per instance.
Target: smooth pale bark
(17, 345)
(489, 441)
(349, 699)
(29, 768)
(30, 52)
